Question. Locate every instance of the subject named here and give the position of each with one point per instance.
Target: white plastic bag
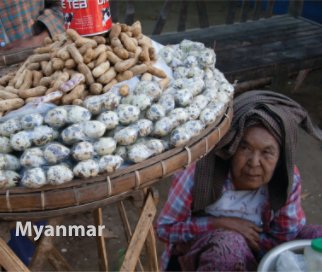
(289, 261)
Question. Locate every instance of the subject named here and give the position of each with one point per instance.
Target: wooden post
(101, 246)
(141, 231)
(127, 228)
(8, 260)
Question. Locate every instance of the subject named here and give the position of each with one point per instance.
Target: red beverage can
(87, 17)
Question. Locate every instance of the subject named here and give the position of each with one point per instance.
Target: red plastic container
(87, 17)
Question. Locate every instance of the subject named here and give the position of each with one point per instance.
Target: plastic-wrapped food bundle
(55, 153)
(110, 163)
(33, 157)
(34, 178)
(59, 174)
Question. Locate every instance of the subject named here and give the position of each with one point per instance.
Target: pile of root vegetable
(71, 67)
(109, 105)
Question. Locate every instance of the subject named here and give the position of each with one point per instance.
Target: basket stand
(142, 235)
(8, 260)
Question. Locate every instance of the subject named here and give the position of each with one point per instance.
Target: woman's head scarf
(281, 116)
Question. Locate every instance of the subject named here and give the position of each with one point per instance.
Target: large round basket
(85, 194)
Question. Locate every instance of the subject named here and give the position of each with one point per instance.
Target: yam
(78, 58)
(109, 86)
(128, 42)
(125, 65)
(115, 31)
(107, 77)
(82, 67)
(101, 69)
(36, 91)
(121, 52)
(124, 76)
(74, 94)
(96, 88)
(7, 95)
(11, 104)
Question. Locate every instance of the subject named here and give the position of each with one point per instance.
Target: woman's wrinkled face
(255, 160)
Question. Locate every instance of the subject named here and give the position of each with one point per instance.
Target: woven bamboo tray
(86, 194)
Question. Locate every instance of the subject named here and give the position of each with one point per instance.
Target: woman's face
(255, 160)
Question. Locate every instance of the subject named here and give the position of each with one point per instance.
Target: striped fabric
(20, 19)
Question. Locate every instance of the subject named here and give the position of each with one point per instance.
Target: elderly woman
(244, 197)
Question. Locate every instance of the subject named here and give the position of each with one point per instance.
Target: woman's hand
(246, 228)
(32, 42)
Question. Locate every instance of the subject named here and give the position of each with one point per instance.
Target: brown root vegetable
(112, 57)
(45, 81)
(58, 64)
(98, 50)
(124, 90)
(82, 67)
(33, 66)
(124, 76)
(70, 64)
(43, 65)
(7, 95)
(36, 76)
(36, 91)
(49, 69)
(144, 56)
(19, 79)
(115, 31)
(77, 102)
(11, 104)
(84, 48)
(121, 52)
(4, 80)
(78, 58)
(101, 69)
(156, 71)
(139, 69)
(39, 57)
(109, 86)
(101, 58)
(27, 82)
(124, 65)
(125, 27)
(145, 40)
(108, 76)
(116, 42)
(164, 83)
(127, 42)
(89, 56)
(73, 34)
(81, 41)
(136, 28)
(74, 94)
(42, 50)
(91, 65)
(11, 89)
(152, 53)
(63, 53)
(99, 39)
(96, 88)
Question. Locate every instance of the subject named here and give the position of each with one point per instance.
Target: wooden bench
(253, 45)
